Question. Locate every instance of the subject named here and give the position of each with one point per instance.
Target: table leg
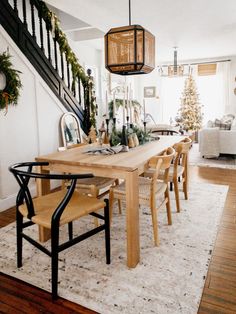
(132, 219)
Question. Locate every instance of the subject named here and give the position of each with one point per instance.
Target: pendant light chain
(129, 12)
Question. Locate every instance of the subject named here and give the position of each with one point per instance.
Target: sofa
(219, 137)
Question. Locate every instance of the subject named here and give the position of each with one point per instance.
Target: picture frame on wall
(149, 92)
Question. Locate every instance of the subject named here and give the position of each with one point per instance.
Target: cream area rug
(168, 279)
(223, 161)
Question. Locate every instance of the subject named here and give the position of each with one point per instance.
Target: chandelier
(129, 49)
(175, 69)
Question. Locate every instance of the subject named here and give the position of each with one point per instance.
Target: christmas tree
(190, 108)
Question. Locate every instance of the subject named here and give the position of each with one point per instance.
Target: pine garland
(10, 94)
(77, 70)
(119, 103)
(54, 25)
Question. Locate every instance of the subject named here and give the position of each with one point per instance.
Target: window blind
(207, 69)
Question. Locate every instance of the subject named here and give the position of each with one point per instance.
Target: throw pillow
(210, 124)
(229, 116)
(223, 125)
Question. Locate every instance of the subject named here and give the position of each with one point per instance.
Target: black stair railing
(32, 32)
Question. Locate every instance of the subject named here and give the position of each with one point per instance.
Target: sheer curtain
(170, 94)
(223, 70)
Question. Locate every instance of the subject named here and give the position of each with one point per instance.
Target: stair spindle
(62, 66)
(79, 90)
(32, 19)
(15, 7)
(41, 30)
(74, 92)
(49, 44)
(68, 73)
(55, 54)
(24, 13)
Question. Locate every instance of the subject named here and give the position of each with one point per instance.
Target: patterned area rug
(169, 278)
(223, 161)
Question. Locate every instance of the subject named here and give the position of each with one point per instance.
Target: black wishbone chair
(54, 210)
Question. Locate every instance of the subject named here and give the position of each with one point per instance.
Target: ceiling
(201, 29)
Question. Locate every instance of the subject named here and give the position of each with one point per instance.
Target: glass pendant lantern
(129, 50)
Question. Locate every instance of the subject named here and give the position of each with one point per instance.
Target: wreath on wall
(11, 91)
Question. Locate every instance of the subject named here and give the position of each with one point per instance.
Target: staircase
(31, 30)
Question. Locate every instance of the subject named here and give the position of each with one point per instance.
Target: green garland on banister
(77, 70)
(10, 94)
(53, 22)
(90, 99)
(54, 25)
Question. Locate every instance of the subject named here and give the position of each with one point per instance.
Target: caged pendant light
(129, 49)
(175, 69)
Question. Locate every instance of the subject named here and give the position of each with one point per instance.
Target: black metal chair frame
(24, 195)
(165, 132)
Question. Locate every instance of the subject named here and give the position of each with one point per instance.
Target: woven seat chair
(179, 169)
(95, 186)
(52, 211)
(152, 192)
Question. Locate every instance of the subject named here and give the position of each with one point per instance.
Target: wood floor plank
(223, 252)
(17, 295)
(219, 291)
(229, 286)
(207, 308)
(224, 300)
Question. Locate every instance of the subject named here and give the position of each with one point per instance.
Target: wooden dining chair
(178, 170)
(96, 186)
(152, 191)
(52, 211)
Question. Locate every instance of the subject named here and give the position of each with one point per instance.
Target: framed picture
(149, 92)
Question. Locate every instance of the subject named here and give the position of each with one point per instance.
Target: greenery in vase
(115, 137)
(119, 103)
(143, 137)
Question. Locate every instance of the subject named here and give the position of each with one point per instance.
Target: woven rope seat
(144, 188)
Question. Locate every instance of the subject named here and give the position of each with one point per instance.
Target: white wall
(152, 105)
(29, 129)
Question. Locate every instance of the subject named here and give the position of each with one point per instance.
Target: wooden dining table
(126, 165)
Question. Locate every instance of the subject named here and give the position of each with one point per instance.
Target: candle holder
(144, 126)
(107, 124)
(114, 123)
(124, 140)
(127, 121)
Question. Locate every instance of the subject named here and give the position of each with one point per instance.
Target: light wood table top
(128, 161)
(126, 165)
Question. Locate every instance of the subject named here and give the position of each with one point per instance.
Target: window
(211, 95)
(171, 92)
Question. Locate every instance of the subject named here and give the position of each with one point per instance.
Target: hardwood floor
(219, 294)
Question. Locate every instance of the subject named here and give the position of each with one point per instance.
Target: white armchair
(213, 142)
